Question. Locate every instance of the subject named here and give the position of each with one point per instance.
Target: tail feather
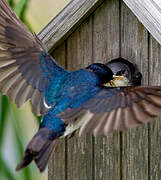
(39, 149)
(42, 159)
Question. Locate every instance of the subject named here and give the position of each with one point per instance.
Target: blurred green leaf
(20, 7)
(4, 108)
(4, 169)
(39, 119)
(11, 3)
(19, 136)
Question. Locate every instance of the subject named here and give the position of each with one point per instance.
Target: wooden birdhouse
(87, 31)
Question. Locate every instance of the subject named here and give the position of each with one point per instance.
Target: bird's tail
(39, 149)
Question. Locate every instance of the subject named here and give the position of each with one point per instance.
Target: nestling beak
(117, 81)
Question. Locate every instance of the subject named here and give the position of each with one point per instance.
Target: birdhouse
(88, 31)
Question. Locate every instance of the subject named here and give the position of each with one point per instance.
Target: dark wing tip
(19, 166)
(39, 150)
(28, 157)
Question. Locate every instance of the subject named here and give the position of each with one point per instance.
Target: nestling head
(123, 67)
(102, 71)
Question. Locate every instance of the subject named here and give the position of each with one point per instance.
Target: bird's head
(102, 71)
(124, 68)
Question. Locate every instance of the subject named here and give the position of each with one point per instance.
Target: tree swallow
(82, 99)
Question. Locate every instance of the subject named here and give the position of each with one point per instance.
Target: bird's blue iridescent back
(73, 89)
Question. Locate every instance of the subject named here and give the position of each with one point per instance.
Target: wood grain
(149, 14)
(106, 47)
(80, 149)
(155, 127)
(134, 46)
(67, 21)
(111, 31)
(57, 164)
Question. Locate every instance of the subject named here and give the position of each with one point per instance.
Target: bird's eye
(122, 72)
(94, 70)
(138, 75)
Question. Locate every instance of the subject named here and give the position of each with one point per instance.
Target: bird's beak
(118, 81)
(115, 78)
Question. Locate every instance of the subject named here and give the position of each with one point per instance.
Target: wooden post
(110, 31)
(135, 142)
(149, 13)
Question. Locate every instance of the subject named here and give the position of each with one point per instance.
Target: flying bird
(88, 99)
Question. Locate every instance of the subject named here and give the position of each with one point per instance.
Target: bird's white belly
(78, 123)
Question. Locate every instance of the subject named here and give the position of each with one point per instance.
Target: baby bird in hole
(98, 99)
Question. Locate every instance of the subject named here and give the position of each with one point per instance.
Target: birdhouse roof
(148, 13)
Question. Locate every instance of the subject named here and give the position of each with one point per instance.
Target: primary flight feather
(67, 100)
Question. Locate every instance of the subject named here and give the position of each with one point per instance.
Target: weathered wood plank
(80, 149)
(134, 46)
(149, 13)
(106, 47)
(155, 127)
(57, 164)
(130, 155)
(67, 21)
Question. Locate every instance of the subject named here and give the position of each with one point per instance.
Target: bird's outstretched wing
(114, 109)
(25, 67)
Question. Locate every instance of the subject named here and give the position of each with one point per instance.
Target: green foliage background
(13, 133)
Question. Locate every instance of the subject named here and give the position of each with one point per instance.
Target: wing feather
(109, 126)
(99, 127)
(26, 69)
(89, 124)
(115, 109)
